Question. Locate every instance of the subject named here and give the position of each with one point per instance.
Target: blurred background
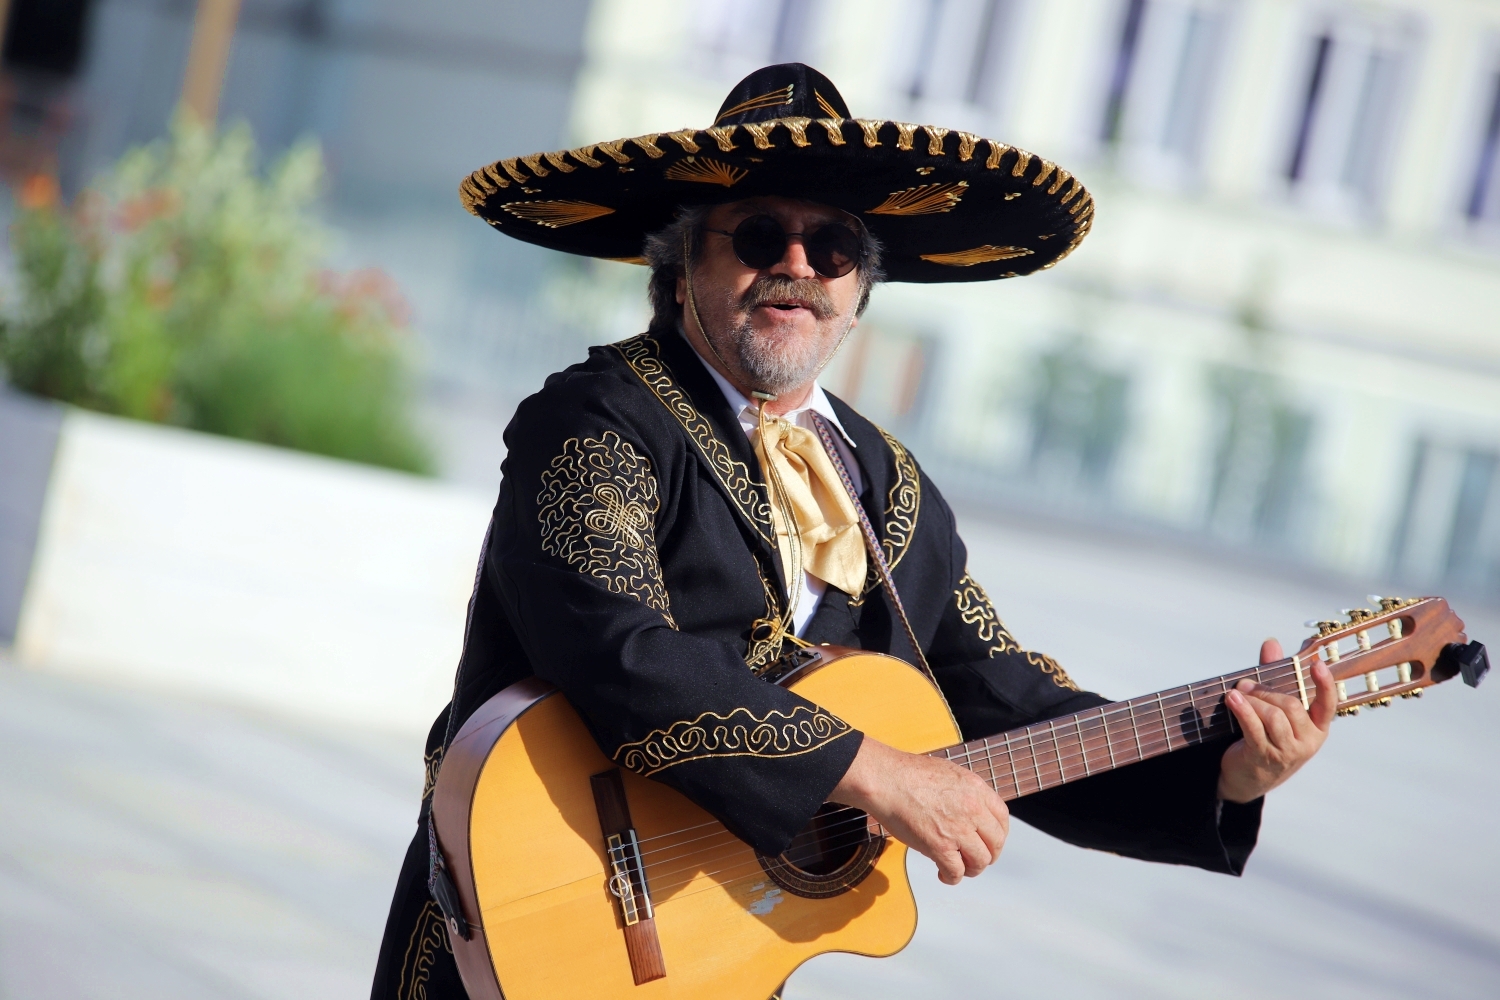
(258, 362)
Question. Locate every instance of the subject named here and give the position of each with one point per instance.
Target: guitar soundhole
(833, 854)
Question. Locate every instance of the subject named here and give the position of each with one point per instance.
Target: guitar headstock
(1407, 645)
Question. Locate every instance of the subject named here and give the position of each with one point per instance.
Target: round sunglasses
(833, 249)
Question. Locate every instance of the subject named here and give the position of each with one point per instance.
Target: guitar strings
(851, 837)
(1083, 729)
(1006, 753)
(988, 749)
(664, 886)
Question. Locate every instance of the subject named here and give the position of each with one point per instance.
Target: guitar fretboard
(1052, 753)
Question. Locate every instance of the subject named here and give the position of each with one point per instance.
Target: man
(673, 519)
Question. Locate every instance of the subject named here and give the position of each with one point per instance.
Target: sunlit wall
(1281, 334)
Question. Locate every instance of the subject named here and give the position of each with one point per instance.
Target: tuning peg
(1323, 627)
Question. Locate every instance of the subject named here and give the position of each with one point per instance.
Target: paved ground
(152, 847)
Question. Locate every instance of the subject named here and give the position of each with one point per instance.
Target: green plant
(186, 288)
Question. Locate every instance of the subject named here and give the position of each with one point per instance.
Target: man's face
(777, 324)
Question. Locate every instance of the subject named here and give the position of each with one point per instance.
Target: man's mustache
(775, 288)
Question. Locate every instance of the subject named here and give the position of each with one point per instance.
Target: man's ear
(681, 290)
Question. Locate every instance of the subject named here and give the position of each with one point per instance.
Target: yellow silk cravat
(832, 548)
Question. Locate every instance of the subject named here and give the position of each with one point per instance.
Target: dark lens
(833, 250)
(759, 242)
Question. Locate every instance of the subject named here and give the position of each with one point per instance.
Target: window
(735, 37)
(1483, 203)
(960, 53)
(1351, 93)
(1449, 530)
(1161, 82)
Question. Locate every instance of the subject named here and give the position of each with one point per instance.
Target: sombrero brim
(947, 205)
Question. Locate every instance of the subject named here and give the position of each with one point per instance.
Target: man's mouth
(788, 305)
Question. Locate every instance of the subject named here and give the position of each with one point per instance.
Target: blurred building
(1280, 336)
(1282, 333)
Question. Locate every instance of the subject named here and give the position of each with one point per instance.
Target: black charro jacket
(631, 562)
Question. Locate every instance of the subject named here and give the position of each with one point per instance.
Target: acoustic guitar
(576, 879)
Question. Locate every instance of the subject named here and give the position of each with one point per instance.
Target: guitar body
(520, 828)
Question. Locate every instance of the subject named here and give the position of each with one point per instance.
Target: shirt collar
(746, 413)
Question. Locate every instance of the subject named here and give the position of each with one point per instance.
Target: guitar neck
(1052, 753)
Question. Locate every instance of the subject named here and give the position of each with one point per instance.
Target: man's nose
(794, 263)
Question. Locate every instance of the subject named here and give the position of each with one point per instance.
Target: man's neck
(785, 402)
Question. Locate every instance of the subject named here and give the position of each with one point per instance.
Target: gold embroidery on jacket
(903, 502)
(767, 635)
(640, 352)
(741, 733)
(427, 937)
(974, 608)
(598, 514)
(430, 766)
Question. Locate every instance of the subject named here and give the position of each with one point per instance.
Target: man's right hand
(933, 806)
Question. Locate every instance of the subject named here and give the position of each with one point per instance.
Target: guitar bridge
(627, 877)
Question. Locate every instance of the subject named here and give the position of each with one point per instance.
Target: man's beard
(776, 364)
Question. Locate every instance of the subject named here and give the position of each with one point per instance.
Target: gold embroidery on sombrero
(703, 170)
(598, 510)
(641, 353)
(1085, 223)
(472, 193)
(924, 199)
(684, 138)
(516, 173)
(935, 137)
(966, 143)
(1023, 160)
(997, 149)
(977, 255)
(974, 608)
(614, 150)
(741, 733)
(429, 934)
(558, 161)
(769, 99)
(760, 133)
(534, 164)
(556, 214)
(835, 129)
(584, 155)
(648, 143)
(871, 128)
(798, 129)
(1041, 175)
(905, 132)
(825, 107)
(724, 136)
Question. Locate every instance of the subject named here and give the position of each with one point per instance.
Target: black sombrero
(947, 205)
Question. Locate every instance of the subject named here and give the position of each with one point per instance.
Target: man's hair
(665, 249)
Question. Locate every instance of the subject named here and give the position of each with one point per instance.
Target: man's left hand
(1279, 734)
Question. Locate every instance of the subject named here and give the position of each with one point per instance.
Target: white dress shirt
(749, 417)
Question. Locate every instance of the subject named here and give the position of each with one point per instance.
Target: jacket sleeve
(575, 559)
(1164, 809)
